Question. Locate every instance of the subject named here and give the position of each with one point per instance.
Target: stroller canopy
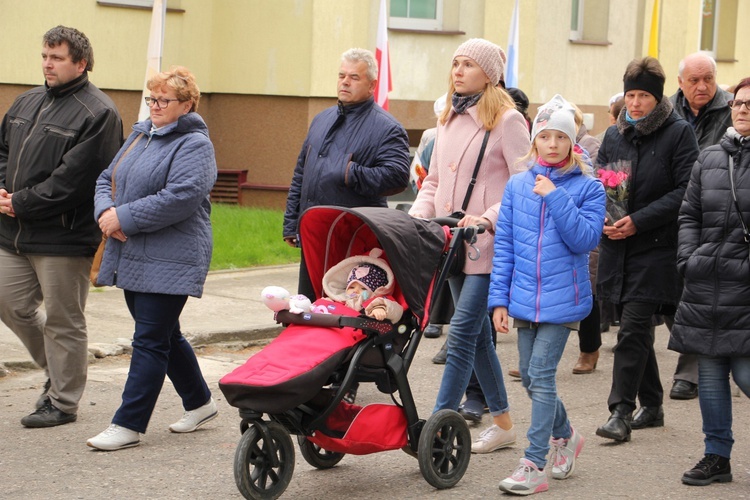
(413, 247)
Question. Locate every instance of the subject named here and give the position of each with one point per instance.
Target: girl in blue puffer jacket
(551, 217)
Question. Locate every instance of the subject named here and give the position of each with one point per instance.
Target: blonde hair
(181, 80)
(574, 159)
(494, 102)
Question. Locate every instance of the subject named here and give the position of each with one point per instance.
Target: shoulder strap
(119, 160)
(476, 171)
(734, 197)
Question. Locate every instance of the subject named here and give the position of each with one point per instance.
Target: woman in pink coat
(476, 107)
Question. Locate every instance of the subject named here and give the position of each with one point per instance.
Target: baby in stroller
(369, 283)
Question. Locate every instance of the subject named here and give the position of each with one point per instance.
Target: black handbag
(442, 308)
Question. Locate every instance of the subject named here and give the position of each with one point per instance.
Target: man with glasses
(54, 142)
(703, 104)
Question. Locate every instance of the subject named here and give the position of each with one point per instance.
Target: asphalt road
(56, 463)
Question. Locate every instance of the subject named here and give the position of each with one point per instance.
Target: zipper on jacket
(59, 131)
(18, 165)
(575, 282)
(539, 257)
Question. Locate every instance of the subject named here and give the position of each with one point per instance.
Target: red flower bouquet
(615, 178)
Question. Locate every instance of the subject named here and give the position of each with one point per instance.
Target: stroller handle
(452, 221)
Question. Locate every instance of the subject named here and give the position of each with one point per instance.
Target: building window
(589, 21)
(417, 14)
(719, 28)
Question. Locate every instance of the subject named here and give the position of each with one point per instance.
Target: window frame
(419, 24)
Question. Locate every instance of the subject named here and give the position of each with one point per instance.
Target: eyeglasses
(160, 103)
(737, 104)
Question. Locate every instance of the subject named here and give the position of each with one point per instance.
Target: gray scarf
(650, 123)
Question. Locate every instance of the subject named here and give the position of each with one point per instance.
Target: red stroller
(300, 379)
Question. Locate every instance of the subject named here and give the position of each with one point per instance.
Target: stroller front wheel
(444, 449)
(264, 461)
(317, 456)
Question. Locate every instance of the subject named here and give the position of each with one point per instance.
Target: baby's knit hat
(556, 114)
(368, 275)
(486, 54)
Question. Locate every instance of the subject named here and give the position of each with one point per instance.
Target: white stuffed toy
(277, 299)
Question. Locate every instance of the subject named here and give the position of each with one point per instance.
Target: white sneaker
(494, 438)
(525, 480)
(114, 438)
(193, 419)
(564, 454)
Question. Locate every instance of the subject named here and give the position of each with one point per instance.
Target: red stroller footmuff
(293, 367)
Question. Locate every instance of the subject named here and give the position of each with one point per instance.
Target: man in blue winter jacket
(355, 153)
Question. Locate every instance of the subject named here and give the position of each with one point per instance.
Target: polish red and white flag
(383, 58)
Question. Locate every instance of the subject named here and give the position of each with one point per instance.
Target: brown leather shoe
(514, 372)
(586, 362)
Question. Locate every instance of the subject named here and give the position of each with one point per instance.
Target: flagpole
(383, 57)
(154, 53)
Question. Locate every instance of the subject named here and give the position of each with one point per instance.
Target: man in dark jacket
(637, 256)
(355, 153)
(54, 142)
(704, 105)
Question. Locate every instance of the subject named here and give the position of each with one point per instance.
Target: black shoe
(711, 469)
(43, 398)
(433, 331)
(48, 416)
(682, 389)
(618, 425)
(442, 355)
(472, 410)
(604, 327)
(648, 416)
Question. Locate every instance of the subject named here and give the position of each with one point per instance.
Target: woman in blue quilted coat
(152, 204)
(551, 217)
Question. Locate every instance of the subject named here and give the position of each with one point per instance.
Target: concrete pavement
(55, 463)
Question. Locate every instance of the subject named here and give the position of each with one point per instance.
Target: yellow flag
(653, 39)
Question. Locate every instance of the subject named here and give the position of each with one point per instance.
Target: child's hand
(543, 185)
(378, 314)
(500, 319)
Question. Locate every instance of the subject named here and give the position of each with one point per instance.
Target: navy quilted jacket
(352, 157)
(540, 270)
(162, 200)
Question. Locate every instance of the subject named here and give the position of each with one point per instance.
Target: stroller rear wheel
(264, 461)
(317, 456)
(444, 449)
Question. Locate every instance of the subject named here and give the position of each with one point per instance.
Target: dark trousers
(474, 390)
(159, 349)
(304, 284)
(635, 373)
(590, 330)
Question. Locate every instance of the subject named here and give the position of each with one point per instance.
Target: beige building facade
(267, 67)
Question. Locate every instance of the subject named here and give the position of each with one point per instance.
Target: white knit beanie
(486, 54)
(556, 114)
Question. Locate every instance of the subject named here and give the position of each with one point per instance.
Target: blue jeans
(539, 352)
(470, 346)
(715, 399)
(159, 350)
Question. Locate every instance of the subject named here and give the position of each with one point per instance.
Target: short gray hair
(704, 54)
(365, 56)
